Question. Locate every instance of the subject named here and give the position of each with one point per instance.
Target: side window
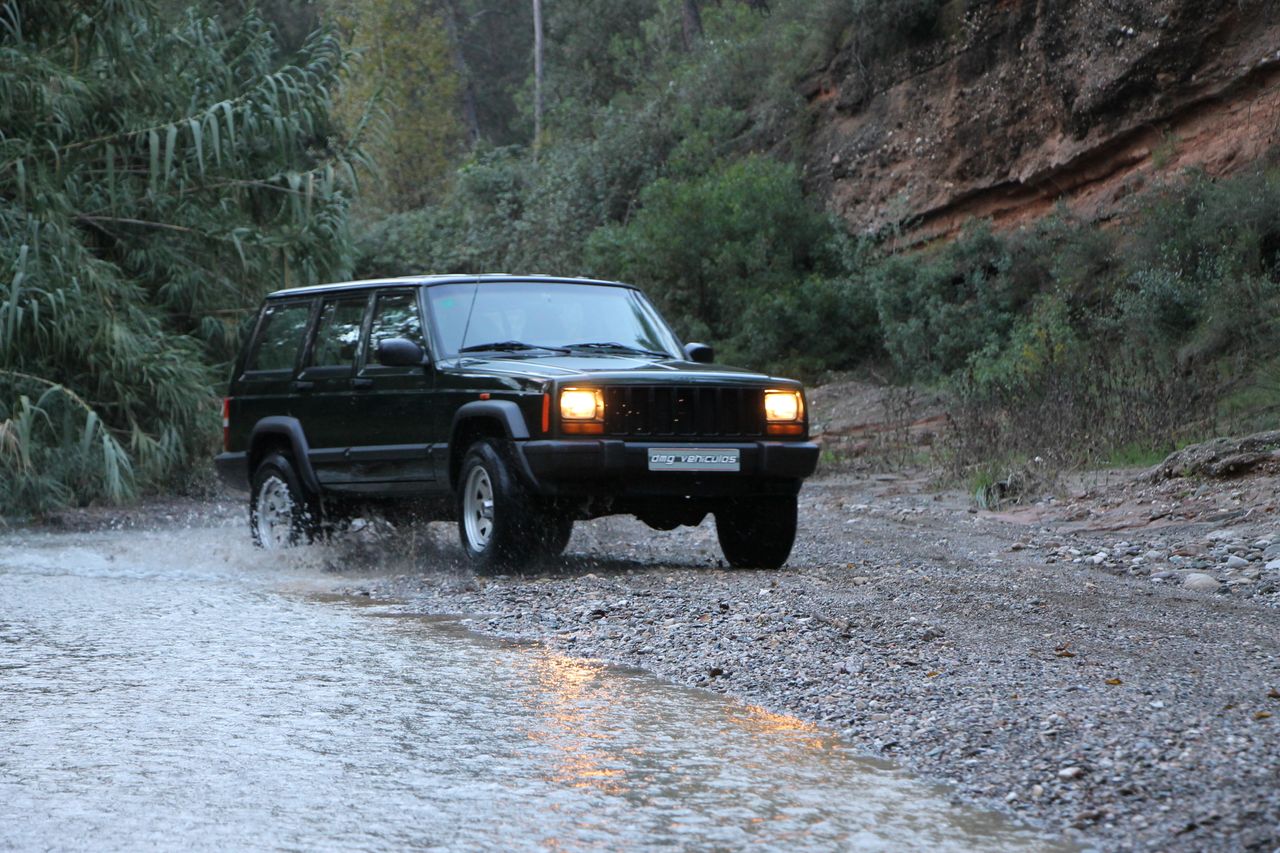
(338, 333)
(283, 326)
(395, 315)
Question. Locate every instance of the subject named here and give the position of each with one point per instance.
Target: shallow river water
(178, 689)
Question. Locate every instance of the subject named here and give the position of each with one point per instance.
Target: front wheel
(757, 533)
(281, 514)
(499, 524)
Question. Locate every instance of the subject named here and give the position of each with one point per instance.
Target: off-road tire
(758, 532)
(557, 527)
(281, 513)
(500, 525)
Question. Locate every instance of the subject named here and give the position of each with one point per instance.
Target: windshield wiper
(605, 346)
(509, 346)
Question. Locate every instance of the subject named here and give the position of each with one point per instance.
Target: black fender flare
(291, 429)
(507, 414)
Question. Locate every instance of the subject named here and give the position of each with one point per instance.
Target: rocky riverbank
(1064, 661)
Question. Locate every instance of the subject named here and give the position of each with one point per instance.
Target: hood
(604, 367)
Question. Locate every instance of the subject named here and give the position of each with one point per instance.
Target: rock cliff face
(1025, 104)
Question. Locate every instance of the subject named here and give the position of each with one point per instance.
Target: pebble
(1071, 773)
(1200, 582)
(1234, 562)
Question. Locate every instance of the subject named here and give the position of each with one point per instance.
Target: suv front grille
(683, 411)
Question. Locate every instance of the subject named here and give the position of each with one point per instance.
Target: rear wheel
(757, 533)
(281, 513)
(502, 526)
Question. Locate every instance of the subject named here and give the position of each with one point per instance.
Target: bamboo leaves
(150, 176)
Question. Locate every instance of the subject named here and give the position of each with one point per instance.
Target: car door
(265, 386)
(323, 389)
(392, 402)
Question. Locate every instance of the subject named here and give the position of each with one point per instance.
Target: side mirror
(701, 353)
(400, 352)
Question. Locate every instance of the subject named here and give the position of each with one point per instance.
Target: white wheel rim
(477, 509)
(275, 514)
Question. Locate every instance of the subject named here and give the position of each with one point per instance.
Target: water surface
(178, 689)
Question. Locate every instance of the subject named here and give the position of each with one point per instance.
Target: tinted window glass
(338, 333)
(395, 315)
(281, 336)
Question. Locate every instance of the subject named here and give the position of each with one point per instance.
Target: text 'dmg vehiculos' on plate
(693, 459)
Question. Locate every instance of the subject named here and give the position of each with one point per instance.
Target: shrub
(936, 310)
(709, 247)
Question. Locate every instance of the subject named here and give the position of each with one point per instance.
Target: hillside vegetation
(163, 167)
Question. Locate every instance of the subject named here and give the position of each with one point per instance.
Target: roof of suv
(439, 279)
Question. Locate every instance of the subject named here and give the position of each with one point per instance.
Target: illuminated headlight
(783, 407)
(581, 404)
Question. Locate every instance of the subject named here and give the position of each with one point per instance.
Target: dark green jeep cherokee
(515, 405)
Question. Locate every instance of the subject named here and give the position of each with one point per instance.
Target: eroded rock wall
(1025, 104)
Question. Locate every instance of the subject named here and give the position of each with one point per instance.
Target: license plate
(692, 459)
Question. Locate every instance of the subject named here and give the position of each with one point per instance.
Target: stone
(1274, 565)
(1200, 582)
(1069, 773)
(1234, 562)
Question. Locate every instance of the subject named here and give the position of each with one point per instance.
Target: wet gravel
(1124, 707)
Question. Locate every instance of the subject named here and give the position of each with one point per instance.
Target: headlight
(784, 413)
(581, 404)
(783, 407)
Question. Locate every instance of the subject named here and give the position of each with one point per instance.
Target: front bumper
(575, 467)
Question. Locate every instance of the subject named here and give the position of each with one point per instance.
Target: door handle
(361, 382)
(303, 385)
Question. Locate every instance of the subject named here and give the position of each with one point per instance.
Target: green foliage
(627, 106)
(710, 247)
(154, 181)
(937, 310)
(823, 324)
(405, 68)
(596, 48)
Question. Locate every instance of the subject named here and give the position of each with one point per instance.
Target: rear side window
(280, 339)
(395, 315)
(338, 333)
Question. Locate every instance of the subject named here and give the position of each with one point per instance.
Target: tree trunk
(537, 76)
(692, 21)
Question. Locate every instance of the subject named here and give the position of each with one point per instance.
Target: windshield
(523, 316)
